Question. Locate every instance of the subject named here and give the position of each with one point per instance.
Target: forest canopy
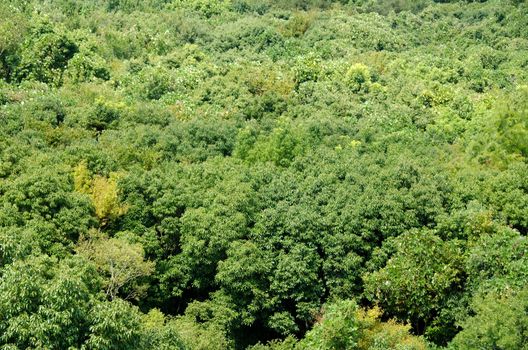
(263, 175)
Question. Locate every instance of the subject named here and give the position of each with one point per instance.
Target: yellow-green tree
(103, 192)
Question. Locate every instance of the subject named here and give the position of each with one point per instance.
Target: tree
(45, 55)
(497, 260)
(121, 263)
(45, 303)
(500, 322)
(86, 66)
(12, 32)
(115, 325)
(358, 78)
(419, 279)
(342, 325)
(103, 192)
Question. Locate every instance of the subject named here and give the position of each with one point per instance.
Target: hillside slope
(199, 174)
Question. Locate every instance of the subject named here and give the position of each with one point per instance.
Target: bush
(358, 78)
(86, 67)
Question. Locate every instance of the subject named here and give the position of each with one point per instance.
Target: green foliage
(45, 55)
(120, 262)
(43, 201)
(152, 83)
(343, 325)
(86, 67)
(103, 193)
(497, 260)
(501, 132)
(306, 69)
(339, 329)
(45, 303)
(358, 78)
(207, 8)
(199, 174)
(419, 279)
(103, 115)
(298, 24)
(195, 335)
(281, 146)
(512, 124)
(12, 33)
(499, 322)
(114, 325)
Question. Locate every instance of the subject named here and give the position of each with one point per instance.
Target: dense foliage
(251, 174)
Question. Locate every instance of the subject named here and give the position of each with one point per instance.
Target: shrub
(358, 78)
